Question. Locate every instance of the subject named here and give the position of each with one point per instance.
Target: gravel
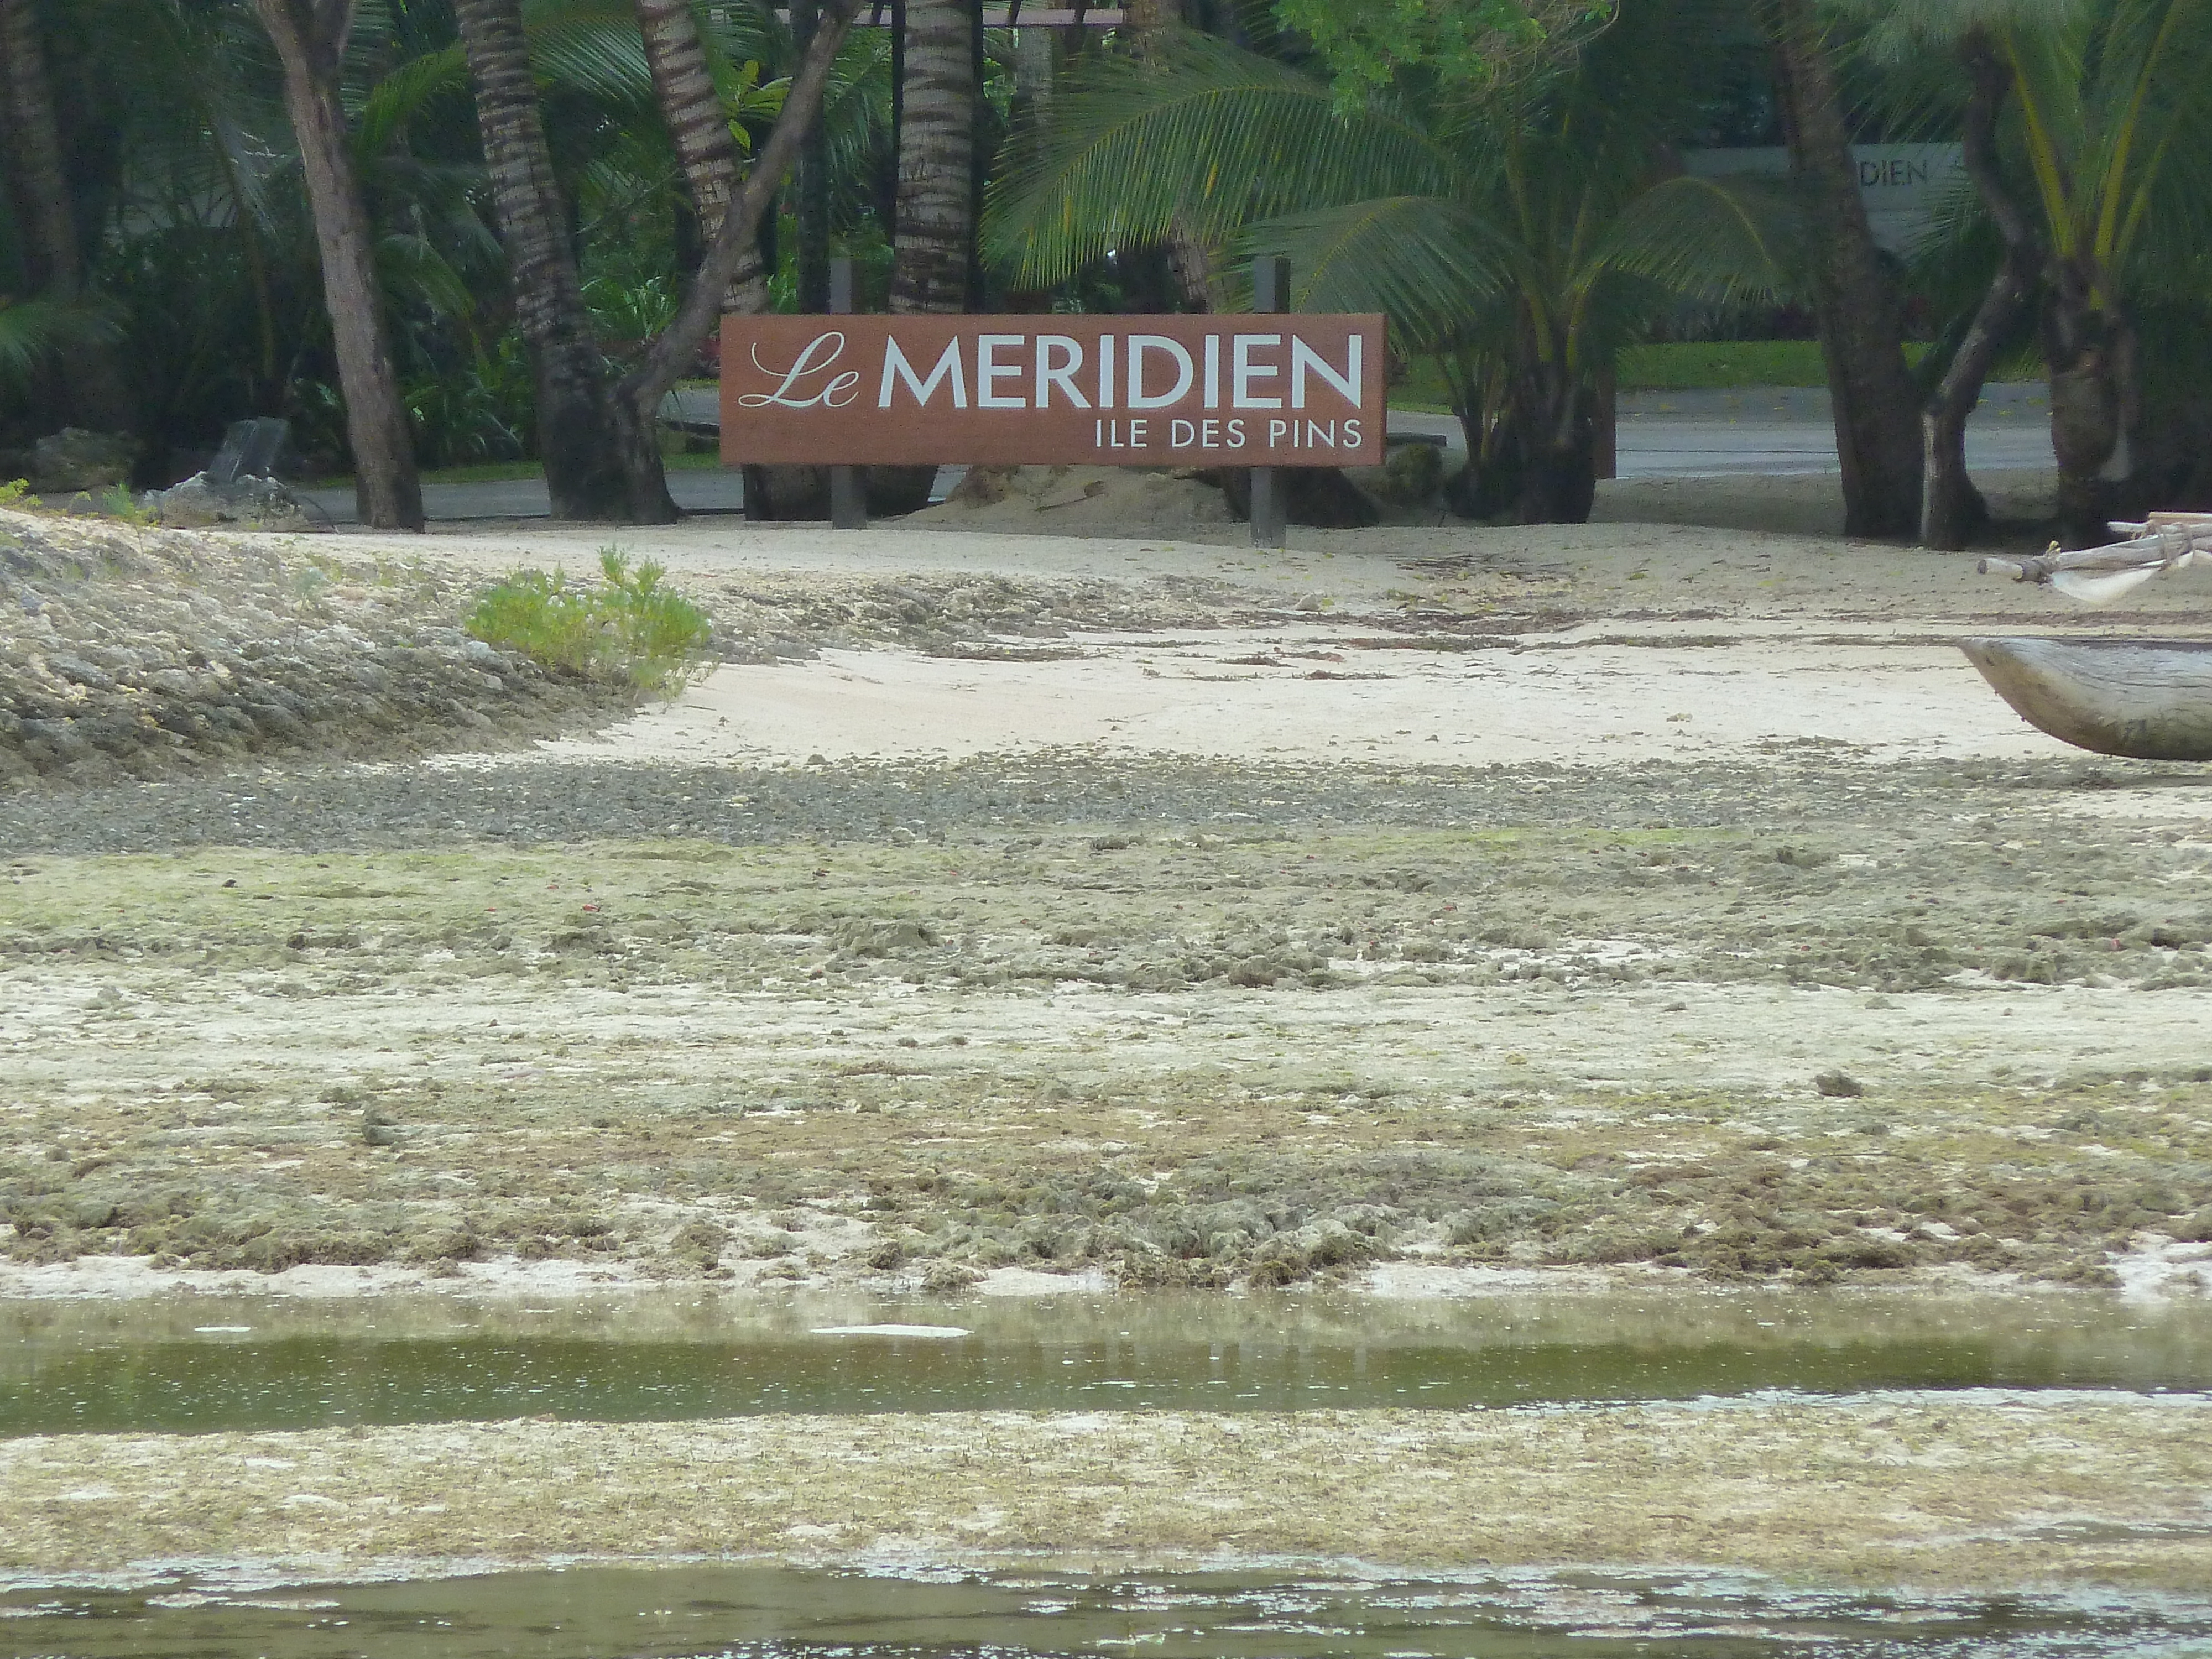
(328, 805)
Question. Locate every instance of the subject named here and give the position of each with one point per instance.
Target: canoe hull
(2147, 699)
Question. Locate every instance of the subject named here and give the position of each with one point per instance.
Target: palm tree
(932, 248)
(1520, 229)
(699, 123)
(310, 37)
(94, 391)
(602, 460)
(1861, 314)
(2105, 176)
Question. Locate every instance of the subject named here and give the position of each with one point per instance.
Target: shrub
(634, 629)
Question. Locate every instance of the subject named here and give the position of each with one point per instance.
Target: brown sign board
(1254, 389)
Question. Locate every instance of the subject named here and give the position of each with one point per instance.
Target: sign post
(848, 500)
(1271, 296)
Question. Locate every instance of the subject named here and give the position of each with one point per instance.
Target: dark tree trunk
(1531, 441)
(2089, 349)
(937, 139)
(812, 208)
(602, 463)
(1952, 511)
(310, 37)
(934, 260)
(1875, 405)
(684, 87)
(1558, 433)
(90, 389)
(738, 235)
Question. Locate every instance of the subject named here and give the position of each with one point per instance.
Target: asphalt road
(1767, 431)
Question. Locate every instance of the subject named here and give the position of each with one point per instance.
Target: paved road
(1771, 431)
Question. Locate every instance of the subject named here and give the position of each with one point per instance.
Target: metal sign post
(1271, 294)
(848, 500)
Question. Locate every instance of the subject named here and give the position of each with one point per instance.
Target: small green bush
(634, 629)
(13, 490)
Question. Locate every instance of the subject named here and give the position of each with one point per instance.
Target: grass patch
(634, 628)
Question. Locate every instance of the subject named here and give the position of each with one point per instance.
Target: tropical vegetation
(444, 233)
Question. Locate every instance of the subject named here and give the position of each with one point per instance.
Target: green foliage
(13, 490)
(634, 629)
(1512, 227)
(33, 330)
(116, 501)
(1370, 43)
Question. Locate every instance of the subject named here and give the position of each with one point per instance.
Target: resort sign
(1255, 391)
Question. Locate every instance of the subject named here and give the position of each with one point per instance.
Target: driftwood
(2150, 699)
(2163, 542)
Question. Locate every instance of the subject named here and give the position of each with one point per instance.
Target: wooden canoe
(2148, 699)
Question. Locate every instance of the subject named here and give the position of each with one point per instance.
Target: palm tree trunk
(684, 88)
(90, 388)
(937, 139)
(310, 38)
(644, 386)
(1951, 509)
(2089, 351)
(1875, 406)
(811, 209)
(1558, 441)
(601, 461)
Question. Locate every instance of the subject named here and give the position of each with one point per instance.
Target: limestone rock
(247, 504)
(74, 459)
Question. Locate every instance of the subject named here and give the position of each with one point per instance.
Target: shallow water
(766, 1613)
(258, 1363)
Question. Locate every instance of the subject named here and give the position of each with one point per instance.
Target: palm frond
(1209, 139)
(394, 99)
(1426, 263)
(1721, 240)
(31, 331)
(590, 47)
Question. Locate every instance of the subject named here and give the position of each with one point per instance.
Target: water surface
(261, 1364)
(766, 1613)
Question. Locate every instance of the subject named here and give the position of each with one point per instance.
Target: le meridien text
(1227, 390)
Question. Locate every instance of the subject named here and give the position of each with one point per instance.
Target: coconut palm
(1859, 308)
(601, 461)
(1521, 229)
(935, 221)
(2105, 178)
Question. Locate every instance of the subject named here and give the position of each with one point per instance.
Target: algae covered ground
(1170, 1021)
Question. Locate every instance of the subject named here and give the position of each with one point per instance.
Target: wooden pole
(1271, 293)
(849, 501)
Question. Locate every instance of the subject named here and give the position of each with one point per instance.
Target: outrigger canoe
(2149, 699)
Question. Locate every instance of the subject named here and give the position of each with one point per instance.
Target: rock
(1838, 1086)
(74, 459)
(247, 504)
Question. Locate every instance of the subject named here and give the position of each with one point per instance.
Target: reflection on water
(245, 1364)
(762, 1613)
